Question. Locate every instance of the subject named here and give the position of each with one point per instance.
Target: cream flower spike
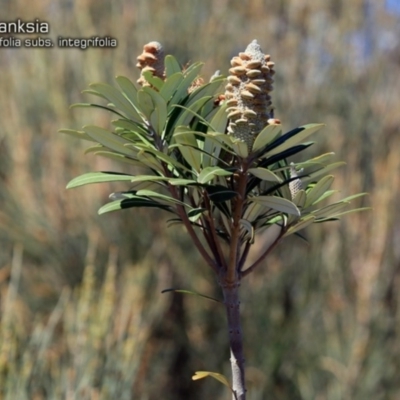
(248, 94)
(152, 59)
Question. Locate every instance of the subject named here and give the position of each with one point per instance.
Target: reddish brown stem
(232, 305)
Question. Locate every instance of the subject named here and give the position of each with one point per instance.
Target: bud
(295, 185)
(247, 94)
(152, 59)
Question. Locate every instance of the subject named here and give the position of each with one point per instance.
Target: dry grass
(81, 321)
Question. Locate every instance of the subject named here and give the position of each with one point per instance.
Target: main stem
(232, 305)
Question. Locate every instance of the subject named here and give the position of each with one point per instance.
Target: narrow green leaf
(319, 189)
(129, 203)
(330, 210)
(219, 121)
(97, 177)
(109, 140)
(240, 148)
(207, 174)
(94, 93)
(296, 139)
(182, 90)
(316, 174)
(219, 193)
(354, 196)
(352, 211)
(327, 194)
(171, 65)
(93, 149)
(146, 103)
(158, 117)
(77, 134)
(171, 85)
(150, 161)
(191, 293)
(206, 90)
(119, 157)
(265, 174)
(151, 193)
(220, 378)
(249, 229)
(189, 112)
(181, 182)
(303, 223)
(129, 90)
(188, 147)
(300, 198)
(266, 136)
(253, 210)
(277, 203)
(155, 81)
(118, 99)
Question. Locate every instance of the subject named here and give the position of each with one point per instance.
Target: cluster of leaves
(194, 169)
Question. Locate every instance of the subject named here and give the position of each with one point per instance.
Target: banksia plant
(217, 162)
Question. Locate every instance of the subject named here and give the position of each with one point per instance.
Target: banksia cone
(295, 185)
(247, 94)
(152, 59)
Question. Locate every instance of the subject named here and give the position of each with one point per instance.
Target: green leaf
(265, 174)
(195, 213)
(118, 99)
(240, 148)
(352, 211)
(219, 121)
(277, 203)
(303, 223)
(330, 210)
(150, 161)
(266, 136)
(354, 196)
(109, 140)
(189, 112)
(295, 139)
(188, 147)
(93, 149)
(220, 378)
(119, 157)
(146, 103)
(327, 194)
(155, 81)
(94, 93)
(151, 193)
(300, 198)
(171, 65)
(209, 89)
(158, 117)
(311, 176)
(181, 182)
(77, 134)
(129, 90)
(182, 90)
(171, 85)
(207, 174)
(87, 105)
(219, 193)
(319, 189)
(97, 177)
(129, 203)
(191, 293)
(253, 210)
(249, 229)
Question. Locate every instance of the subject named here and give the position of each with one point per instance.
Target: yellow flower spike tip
(248, 94)
(152, 59)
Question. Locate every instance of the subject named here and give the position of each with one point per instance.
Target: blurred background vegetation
(83, 316)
